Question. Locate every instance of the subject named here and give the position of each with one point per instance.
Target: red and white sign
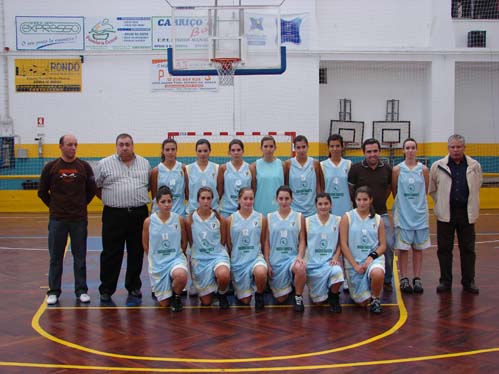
(40, 121)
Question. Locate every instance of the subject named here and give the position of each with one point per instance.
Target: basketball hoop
(226, 67)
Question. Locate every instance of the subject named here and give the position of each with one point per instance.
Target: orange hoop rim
(225, 62)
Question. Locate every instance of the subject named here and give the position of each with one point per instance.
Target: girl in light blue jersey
(335, 173)
(410, 215)
(210, 262)
(324, 273)
(202, 173)
(304, 177)
(363, 242)
(246, 230)
(267, 175)
(232, 176)
(164, 239)
(170, 173)
(284, 250)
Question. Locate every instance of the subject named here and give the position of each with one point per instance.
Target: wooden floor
(427, 333)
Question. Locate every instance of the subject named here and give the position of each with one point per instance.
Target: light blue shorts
(161, 281)
(360, 284)
(282, 277)
(243, 279)
(320, 278)
(203, 273)
(407, 239)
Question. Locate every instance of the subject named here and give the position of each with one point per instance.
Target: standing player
(170, 173)
(246, 230)
(164, 240)
(284, 250)
(304, 177)
(335, 172)
(410, 214)
(324, 274)
(232, 176)
(209, 259)
(362, 238)
(202, 173)
(267, 175)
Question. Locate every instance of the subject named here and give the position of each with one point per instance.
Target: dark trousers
(466, 241)
(58, 237)
(121, 226)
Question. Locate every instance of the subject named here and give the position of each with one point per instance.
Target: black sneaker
(376, 306)
(105, 297)
(417, 285)
(405, 286)
(223, 301)
(298, 305)
(135, 293)
(334, 302)
(176, 303)
(471, 288)
(259, 302)
(443, 288)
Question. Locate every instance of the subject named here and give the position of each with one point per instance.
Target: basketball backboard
(352, 132)
(391, 134)
(204, 32)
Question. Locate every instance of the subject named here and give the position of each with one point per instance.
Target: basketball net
(226, 67)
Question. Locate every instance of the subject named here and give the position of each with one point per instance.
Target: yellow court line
(35, 323)
(267, 369)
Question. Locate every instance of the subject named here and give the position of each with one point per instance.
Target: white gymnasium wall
(372, 25)
(462, 27)
(477, 101)
(117, 95)
(369, 84)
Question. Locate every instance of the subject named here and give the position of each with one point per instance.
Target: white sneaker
(84, 298)
(51, 299)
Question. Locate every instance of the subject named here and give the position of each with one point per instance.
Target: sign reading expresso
(48, 75)
(49, 33)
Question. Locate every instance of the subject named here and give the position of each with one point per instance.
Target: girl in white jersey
(335, 172)
(304, 177)
(246, 230)
(267, 175)
(363, 242)
(324, 273)
(410, 214)
(164, 240)
(210, 261)
(232, 176)
(284, 250)
(202, 173)
(170, 173)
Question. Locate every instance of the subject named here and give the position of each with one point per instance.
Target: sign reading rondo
(48, 75)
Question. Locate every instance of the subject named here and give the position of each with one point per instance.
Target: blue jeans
(390, 242)
(58, 236)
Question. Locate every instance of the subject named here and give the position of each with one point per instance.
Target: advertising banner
(48, 75)
(107, 33)
(49, 33)
(163, 81)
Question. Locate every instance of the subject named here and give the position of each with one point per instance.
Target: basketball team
(272, 224)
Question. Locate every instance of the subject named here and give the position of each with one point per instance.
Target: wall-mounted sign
(49, 33)
(117, 33)
(48, 75)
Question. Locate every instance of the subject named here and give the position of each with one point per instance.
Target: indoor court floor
(428, 333)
